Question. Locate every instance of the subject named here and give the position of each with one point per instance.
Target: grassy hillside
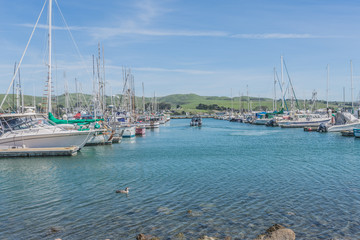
(180, 102)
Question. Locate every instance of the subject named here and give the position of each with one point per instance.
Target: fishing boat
(140, 131)
(196, 121)
(304, 120)
(128, 131)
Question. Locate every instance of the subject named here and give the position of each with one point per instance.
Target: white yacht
(31, 130)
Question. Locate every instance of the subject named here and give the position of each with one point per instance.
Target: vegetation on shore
(178, 104)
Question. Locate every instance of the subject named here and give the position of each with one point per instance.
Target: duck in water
(126, 191)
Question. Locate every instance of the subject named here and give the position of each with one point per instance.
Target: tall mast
(232, 103)
(351, 75)
(274, 103)
(143, 98)
(239, 103)
(282, 82)
(327, 88)
(77, 96)
(104, 82)
(21, 95)
(248, 99)
(34, 99)
(344, 97)
(14, 89)
(98, 62)
(18, 87)
(49, 66)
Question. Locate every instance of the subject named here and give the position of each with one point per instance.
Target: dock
(310, 129)
(347, 133)
(189, 116)
(39, 152)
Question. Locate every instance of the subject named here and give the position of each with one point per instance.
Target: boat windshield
(20, 123)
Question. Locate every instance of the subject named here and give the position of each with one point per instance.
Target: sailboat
(32, 130)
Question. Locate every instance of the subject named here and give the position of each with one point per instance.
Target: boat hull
(303, 124)
(356, 132)
(128, 132)
(347, 127)
(62, 139)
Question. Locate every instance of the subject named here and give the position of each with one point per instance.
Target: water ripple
(224, 179)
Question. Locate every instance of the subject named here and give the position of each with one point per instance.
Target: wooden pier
(39, 152)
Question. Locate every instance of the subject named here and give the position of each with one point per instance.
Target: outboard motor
(322, 128)
(270, 123)
(249, 119)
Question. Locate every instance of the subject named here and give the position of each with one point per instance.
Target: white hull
(301, 124)
(346, 127)
(57, 139)
(129, 132)
(261, 121)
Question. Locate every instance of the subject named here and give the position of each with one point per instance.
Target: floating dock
(310, 129)
(347, 133)
(39, 152)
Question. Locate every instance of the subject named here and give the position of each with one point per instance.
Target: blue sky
(207, 47)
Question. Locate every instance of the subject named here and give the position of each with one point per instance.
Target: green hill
(179, 102)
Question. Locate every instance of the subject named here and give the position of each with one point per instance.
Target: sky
(206, 47)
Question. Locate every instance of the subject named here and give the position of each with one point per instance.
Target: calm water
(236, 179)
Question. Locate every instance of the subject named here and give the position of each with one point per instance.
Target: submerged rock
(54, 229)
(207, 238)
(274, 227)
(142, 236)
(180, 236)
(164, 210)
(277, 232)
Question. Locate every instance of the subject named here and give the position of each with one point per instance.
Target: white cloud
(44, 26)
(152, 69)
(275, 36)
(187, 71)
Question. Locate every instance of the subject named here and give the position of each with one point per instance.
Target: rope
(72, 38)
(22, 57)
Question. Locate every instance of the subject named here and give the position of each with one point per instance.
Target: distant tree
(164, 106)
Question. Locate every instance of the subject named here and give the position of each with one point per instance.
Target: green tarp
(79, 122)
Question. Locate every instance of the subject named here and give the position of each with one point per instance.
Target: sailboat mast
(104, 82)
(248, 99)
(239, 103)
(352, 96)
(21, 95)
(327, 88)
(282, 82)
(274, 103)
(49, 66)
(143, 98)
(14, 89)
(232, 103)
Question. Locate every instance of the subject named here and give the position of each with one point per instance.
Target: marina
(85, 155)
(308, 183)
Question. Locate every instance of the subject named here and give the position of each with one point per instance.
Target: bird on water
(126, 191)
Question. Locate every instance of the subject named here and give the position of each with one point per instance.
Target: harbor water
(221, 179)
